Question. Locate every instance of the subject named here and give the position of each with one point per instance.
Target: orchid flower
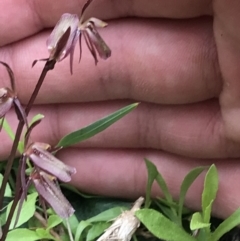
(77, 28)
(42, 158)
(51, 193)
(46, 172)
(8, 98)
(94, 41)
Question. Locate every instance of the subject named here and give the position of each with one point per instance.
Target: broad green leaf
(96, 230)
(22, 234)
(232, 221)
(96, 127)
(162, 227)
(8, 191)
(27, 210)
(107, 215)
(53, 221)
(81, 227)
(197, 222)
(44, 234)
(209, 191)
(152, 175)
(187, 182)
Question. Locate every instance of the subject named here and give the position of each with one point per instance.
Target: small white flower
(124, 226)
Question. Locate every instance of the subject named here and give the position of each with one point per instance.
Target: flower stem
(48, 66)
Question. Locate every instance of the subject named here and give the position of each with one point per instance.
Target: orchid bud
(6, 101)
(8, 97)
(39, 155)
(52, 194)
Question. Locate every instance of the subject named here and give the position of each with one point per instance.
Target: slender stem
(48, 66)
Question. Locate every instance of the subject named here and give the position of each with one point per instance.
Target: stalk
(48, 66)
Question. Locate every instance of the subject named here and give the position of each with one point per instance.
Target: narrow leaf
(232, 221)
(96, 127)
(81, 227)
(187, 182)
(152, 174)
(162, 227)
(209, 191)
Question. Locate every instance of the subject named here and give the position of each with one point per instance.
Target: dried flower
(39, 154)
(68, 30)
(8, 98)
(94, 41)
(124, 226)
(49, 190)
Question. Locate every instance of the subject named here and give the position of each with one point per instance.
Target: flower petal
(52, 194)
(49, 163)
(103, 50)
(67, 20)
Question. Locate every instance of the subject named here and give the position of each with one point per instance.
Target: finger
(189, 130)
(163, 61)
(227, 39)
(122, 173)
(24, 18)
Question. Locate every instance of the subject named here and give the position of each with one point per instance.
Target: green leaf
(44, 234)
(96, 127)
(75, 190)
(22, 234)
(96, 230)
(53, 221)
(187, 182)
(107, 215)
(209, 192)
(162, 227)
(152, 175)
(36, 118)
(11, 134)
(8, 191)
(81, 227)
(27, 210)
(232, 221)
(197, 222)
(8, 129)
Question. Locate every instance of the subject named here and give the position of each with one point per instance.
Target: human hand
(171, 66)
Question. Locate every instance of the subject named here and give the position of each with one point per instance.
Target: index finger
(22, 18)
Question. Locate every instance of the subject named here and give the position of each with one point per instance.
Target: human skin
(179, 58)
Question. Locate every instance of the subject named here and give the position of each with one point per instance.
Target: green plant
(19, 199)
(167, 223)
